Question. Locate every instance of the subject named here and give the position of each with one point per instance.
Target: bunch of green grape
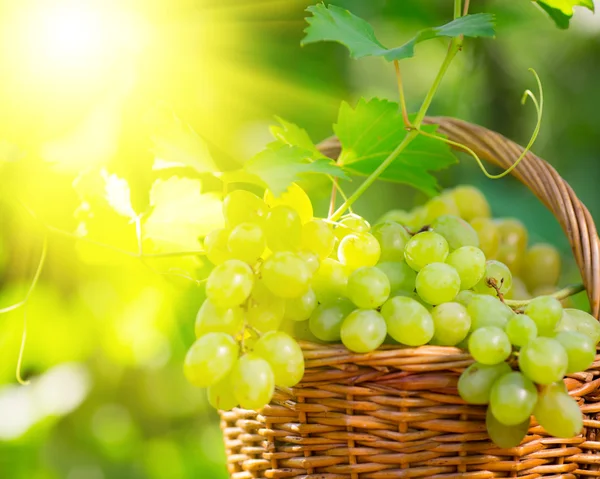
(436, 275)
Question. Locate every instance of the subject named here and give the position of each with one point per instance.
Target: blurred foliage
(107, 331)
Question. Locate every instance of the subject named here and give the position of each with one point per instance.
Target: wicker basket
(395, 412)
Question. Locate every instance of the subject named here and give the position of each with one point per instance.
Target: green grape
(284, 355)
(512, 233)
(229, 284)
(452, 323)
(541, 266)
(220, 395)
(518, 290)
(489, 345)
(363, 330)
(557, 412)
(399, 216)
(505, 436)
(215, 246)
(543, 360)
(416, 220)
(299, 330)
(294, 197)
(470, 202)
(521, 329)
(580, 349)
(457, 231)
(401, 276)
(425, 248)
(241, 206)
(580, 321)
(326, 320)
(546, 312)
(475, 383)
(499, 273)
(318, 237)
(437, 283)
(311, 260)
(439, 206)
(408, 321)
(253, 381)
(513, 398)
(210, 359)
(487, 310)
(465, 297)
(489, 236)
(246, 242)
(283, 229)
(300, 308)
(511, 256)
(469, 263)
(212, 319)
(286, 275)
(349, 225)
(330, 281)
(264, 310)
(368, 287)
(358, 249)
(392, 238)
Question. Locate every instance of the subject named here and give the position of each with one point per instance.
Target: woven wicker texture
(395, 412)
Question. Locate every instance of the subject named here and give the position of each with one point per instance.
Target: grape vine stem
(561, 294)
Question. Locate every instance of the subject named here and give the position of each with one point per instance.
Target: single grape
(513, 398)
(283, 229)
(212, 319)
(546, 311)
(475, 383)
(399, 216)
(349, 225)
(499, 274)
(401, 276)
(511, 256)
(469, 263)
(299, 330)
(326, 321)
(318, 237)
(392, 238)
(489, 236)
(580, 321)
(210, 359)
(425, 248)
(519, 290)
(368, 287)
(229, 284)
(470, 202)
(253, 381)
(330, 281)
(264, 310)
(300, 308)
(505, 436)
(311, 260)
(363, 330)
(241, 206)
(457, 231)
(284, 355)
(487, 310)
(557, 412)
(408, 321)
(521, 329)
(246, 242)
(437, 283)
(580, 349)
(452, 323)
(541, 266)
(294, 197)
(358, 249)
(215, 246)
(465, 297)
(543, 360)
(438, 206)
(220, 395)
(286, 275)
(489, 345)
(512, 233)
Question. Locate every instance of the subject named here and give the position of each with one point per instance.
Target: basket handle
(541, 178)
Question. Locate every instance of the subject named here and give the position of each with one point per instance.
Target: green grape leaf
(369, 132)
(278, 166)
(291, 134)
(331, 23)
(561, 11)
(181, 214)
(101, 189)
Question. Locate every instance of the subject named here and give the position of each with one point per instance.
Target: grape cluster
(438, 275)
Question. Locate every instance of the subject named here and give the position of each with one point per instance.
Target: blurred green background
(87, 88)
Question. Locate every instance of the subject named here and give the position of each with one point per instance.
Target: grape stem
(561, 294)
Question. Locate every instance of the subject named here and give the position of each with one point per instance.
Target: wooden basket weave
(395, 412)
